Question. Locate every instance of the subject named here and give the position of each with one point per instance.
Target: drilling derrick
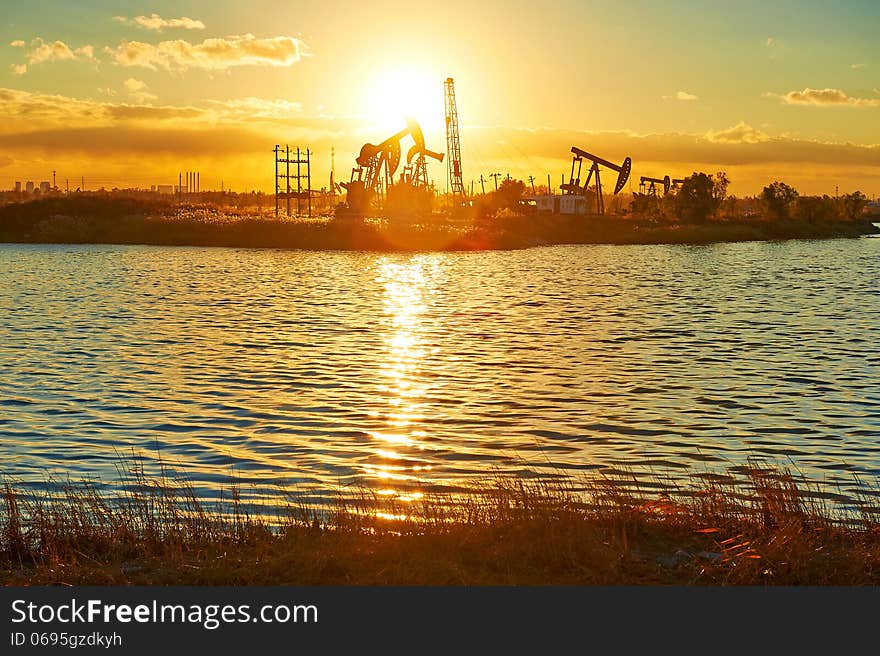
(453, 143)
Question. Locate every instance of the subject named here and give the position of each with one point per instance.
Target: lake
(421, 373)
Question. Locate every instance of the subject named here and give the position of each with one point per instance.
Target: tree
(698, 198)
(509, 193)
(777, 198)
(811, 209)
(852, 205)
(719, 186)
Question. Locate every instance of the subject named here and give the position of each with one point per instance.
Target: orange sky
(130, 98)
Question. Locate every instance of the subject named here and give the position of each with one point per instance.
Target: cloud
(137, 89)
(42, 51)
(18, 43)
(156, 22)
(856, 67)
(210, 54)
(741, 133)
(770, 41)
(825, 98)
(134, 85)
(681, 95)
(254, 108)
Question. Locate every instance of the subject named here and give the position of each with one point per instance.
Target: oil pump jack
(377, 164)
(573, 186)
(651, 185)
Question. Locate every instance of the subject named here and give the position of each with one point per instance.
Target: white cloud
(137, 89)
(156, 22)
(210, 54)
(682, 95)
(825, 98)
(18, 43)
(770, 41)
(741, 133)
(856, 67)
(42, 51)
(134, 85)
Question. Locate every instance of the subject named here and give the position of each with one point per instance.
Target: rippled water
(426, 372)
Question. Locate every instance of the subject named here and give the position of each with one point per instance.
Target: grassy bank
(765, 527)
(121, 220)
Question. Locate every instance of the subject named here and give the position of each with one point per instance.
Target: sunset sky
(129, 97)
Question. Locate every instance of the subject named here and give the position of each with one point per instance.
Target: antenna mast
(453, 143)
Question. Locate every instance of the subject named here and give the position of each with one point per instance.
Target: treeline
(703, 197)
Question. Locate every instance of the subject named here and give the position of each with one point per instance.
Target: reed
(759, 525)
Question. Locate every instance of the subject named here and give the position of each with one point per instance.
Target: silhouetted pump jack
(377, 164)
(652, 184)
(573, 186)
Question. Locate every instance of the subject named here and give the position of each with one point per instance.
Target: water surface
(426, 372)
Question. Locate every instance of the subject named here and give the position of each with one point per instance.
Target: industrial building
(566, 204)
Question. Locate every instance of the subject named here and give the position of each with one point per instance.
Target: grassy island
(130, 219)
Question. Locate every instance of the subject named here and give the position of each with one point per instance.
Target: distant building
(566, 204)
(45, 187)
(29, 187)
(18, 186)
(165, 189)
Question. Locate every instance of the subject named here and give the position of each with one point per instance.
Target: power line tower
(453, 143)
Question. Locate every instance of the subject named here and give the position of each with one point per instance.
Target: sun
(397, 94)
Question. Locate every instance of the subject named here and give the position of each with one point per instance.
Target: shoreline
(768, 527)
(128, 221)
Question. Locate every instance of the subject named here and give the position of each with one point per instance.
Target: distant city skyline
(131, 95)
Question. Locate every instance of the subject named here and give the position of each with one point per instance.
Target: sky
(131, 93)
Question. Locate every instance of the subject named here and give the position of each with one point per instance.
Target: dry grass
(768, 526)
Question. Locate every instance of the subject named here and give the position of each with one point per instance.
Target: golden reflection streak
(406, 288)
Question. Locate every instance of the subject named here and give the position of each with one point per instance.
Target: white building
(165, 189)
(565, 204)
(29, 187)
(18, 186)
(44, 187)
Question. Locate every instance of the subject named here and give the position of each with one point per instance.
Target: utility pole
(496, 176)
(532, 182)
(82, 186)
(66, 185)
(54, 186)
(483, 183)
(287, 175)
(549, 188)
(276, 180)
(309, 178)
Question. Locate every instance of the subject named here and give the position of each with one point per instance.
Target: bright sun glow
(400, 93)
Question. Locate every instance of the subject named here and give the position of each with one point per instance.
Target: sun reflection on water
(407, 286)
